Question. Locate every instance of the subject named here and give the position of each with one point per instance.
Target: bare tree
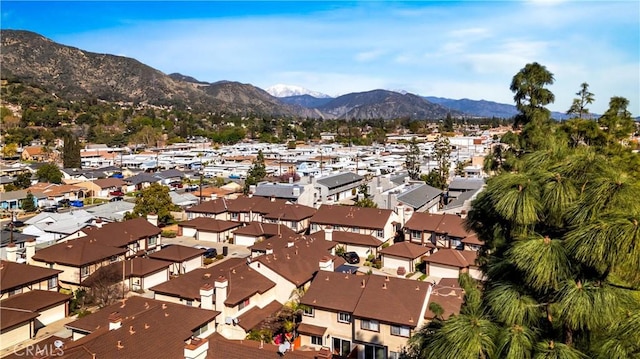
(105, 286)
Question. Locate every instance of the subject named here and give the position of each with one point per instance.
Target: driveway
(234, 250)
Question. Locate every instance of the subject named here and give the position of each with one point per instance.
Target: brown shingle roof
(473, 240)
(392, 300)
(334, 291)
(288, 211)
(119, 234)
(453, 258)
(254, 316)
(450, 224)
(109, 182)
(361, 217)
(34, 300)
(406, 250)
(298, 263)
(215, 206)
(13, 275)
(12, 317)
(134, 267)
(257, 229)
(210, 224)
(176, 253)
(309, 329)
(243, 282)
(147, 332)
(77, 253)
(449, 295)
(355, 238)
(221, 348)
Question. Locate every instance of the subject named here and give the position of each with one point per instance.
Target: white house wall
(155, 279)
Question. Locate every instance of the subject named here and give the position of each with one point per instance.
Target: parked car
(114, 199)
(65, 202)
(176, 184)
(210, 253)
(351, 257)
(77, 203)
(14, 224)
(51, 209)
(117, 193)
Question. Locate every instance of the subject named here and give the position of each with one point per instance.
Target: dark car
(351, 257)
(51, 209)
(14, 224)
(65, 202)
(210, 253)
(114, 199)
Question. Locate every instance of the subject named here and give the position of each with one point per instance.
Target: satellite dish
(282, 348)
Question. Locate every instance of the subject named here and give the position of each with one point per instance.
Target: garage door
(441, 271)
(53, 314)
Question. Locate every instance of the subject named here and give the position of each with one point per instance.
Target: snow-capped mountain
(281, 90)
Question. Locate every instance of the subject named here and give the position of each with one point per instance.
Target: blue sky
(448, 49)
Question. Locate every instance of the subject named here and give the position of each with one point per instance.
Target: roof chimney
(98, 223)
(221, 284)
(12, 252)
(206, 296)
(115, 321)
(153, 219)
(296, 191)
(30, 250)
(214, 196)
(269, 249)
(362, 283)
(326, 264)
(328, 233)
(196, 348)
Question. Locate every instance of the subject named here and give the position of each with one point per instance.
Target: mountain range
(74, 74)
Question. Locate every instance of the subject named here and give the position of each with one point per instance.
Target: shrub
(169, 234)
(83, 313)
(207, 261)
(220, 256)
(386, 244)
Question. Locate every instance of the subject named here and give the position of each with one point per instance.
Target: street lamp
(201, 172)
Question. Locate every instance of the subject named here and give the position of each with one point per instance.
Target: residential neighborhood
(297, 266)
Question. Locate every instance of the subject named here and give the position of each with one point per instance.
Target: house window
(316, 340)
(371, 325)
(113, 259)
(456, 243)
(374, 352)
(394, 355)
(380, 233)
(151, 241)
(344, 317)
(400, 331)
(52, 283)
(234, 216)
(201, 330)
(15, 291)
(245, 303)
(189, 303)
(416, 235)
(355, 229)
(294, 224)
(84, 271)
(341, 347)
(308, 311)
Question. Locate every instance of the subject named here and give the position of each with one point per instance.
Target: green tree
(441, 153)
(22, 180)
(364, 198)
(9, 150)
(49, 172)
(579, 106)
(617, 120)
(434, 179)
(256, 173)
(71, 152)
(155, 199)
(531, 96)
(412, 160)
(28, 204)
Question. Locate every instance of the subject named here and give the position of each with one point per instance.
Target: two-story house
(442, 230)
(230, 287)
(379, 223)
(208, 229)
(362, 316)
(137, 236)
(337, 187)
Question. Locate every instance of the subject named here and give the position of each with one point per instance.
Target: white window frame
(341, 320)
(52, 283)
(245, 303)
(380, 233)
(317, 340)
(400, 331)
(309, 312)
(371, 325)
